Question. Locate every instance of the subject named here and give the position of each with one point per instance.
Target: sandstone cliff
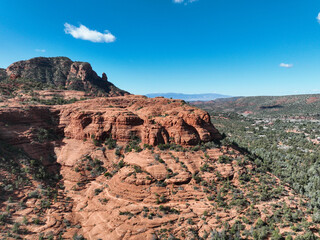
(154, 121)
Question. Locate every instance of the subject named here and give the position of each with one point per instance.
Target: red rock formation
(154, 121)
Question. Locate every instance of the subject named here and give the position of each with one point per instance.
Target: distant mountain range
(189, 97)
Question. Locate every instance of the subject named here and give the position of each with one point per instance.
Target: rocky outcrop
(154, 121)
(62, 73)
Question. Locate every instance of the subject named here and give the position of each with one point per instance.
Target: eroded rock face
(30, 128)
(154, 121)
(61, 72)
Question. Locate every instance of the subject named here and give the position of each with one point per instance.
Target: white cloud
(40, 50)
(184, 1)
(84, 33)
(318, 17)
(286, 65)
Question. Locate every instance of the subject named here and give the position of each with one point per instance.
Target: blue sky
(224, 46)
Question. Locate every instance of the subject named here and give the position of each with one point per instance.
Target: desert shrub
(147, 146)
(45, 204)
(161, 199)
(42, 135)
(134, 144)
(4, 217)
(16, 227)
(78, 237)
(168, 210)
(33, 194)
(118, 151)
(37, 221)
(205, 167)
(137, 169)
(111, 143)
(97, 191)
(25, 220)
(197, 177)
(129, 214)
(224, 159)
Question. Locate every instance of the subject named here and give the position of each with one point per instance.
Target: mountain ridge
(278, 106)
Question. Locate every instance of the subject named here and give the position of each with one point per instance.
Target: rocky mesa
(57, 73)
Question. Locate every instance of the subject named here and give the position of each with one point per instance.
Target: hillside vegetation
(289, 149)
